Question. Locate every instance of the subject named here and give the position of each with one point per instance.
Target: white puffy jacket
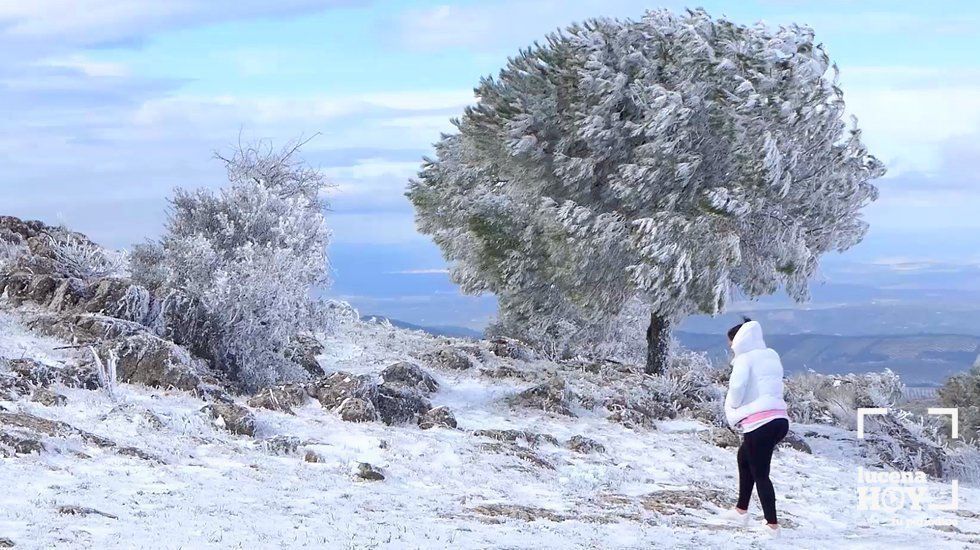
(756, 384)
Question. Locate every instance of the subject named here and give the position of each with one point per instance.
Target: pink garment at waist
(762, 415)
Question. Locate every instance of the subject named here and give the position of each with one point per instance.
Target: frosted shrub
(834, 399)
(963, 392)
(237, 267)
(963, 463)
(83, 259)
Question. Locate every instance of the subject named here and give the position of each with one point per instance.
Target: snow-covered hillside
(150, 470)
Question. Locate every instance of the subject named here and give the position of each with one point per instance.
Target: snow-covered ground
(443, 489)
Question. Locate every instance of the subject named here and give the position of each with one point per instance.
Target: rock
(355, 409)
(333, 389)
(311, 456)
(24, 432)
(232, 417)
(6, 543)
(510, 348)
(506, 371)
(794, 441)
(85, 328)
(516, 450)
(280, 398)
(68, 294)
(151, 361)
(106, 295)
(48, 398)
(304, 350)
(519, 512)
(282, 445)
(368, 472)
(42, 289)
(73, 510)
(411, 376)
(532, 439)
(396, 404)
(438, 417)
(552, 396)
(450, 358)
(18, 287)
(721, 437)
(585, 445)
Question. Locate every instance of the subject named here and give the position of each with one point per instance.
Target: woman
(755, 405)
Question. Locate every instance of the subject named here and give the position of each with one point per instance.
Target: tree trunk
(658, 339)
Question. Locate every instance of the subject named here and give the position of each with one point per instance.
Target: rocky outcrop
(585, 445)
(355, 409)
(151, 361)
(794, 441)
(512, 349)
(23, 433)
(397, 404)
(552, 396)
(280, 398)
(303, 350)
(232, 417)
(333, 389)
(409, 376)
(721, 437)
(448, 358)
(438, 417)
(368, 472)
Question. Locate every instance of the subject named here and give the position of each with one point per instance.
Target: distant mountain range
(920, 359)
(438, 330)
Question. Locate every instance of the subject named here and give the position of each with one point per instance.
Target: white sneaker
(730, 515)
(774, 533)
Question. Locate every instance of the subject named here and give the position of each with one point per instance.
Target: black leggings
(754, 456)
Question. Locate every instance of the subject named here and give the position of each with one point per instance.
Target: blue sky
(105, 106)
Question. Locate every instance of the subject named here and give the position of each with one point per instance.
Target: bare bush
(834, 399)
(85, 260)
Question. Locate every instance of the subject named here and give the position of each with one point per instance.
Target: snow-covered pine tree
(675, 159)
(239, 266)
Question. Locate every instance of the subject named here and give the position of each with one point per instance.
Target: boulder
(355, 409)
(512, 349)
(794, 441)
(280, 398)
(368, 472)
(69, 294)
(151, 361)
(282, 444)
(552, 396)
(84, 328)
(304, 350)
(106, 295)
(48, 398)
(531, 439)
(333, 389)
(585, 445)
(396, 404)
(232, 417)
(18, 286)
(449, 358)
(33, 374)
(409, 375)
(438, 417)
(721, 437)
(42, 289)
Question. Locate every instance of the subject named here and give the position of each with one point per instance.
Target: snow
(217, 490)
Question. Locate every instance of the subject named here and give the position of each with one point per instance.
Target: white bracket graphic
(954, 414)
(861, 412)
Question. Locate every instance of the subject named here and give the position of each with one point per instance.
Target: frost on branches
(238, 266)
(675, 160)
